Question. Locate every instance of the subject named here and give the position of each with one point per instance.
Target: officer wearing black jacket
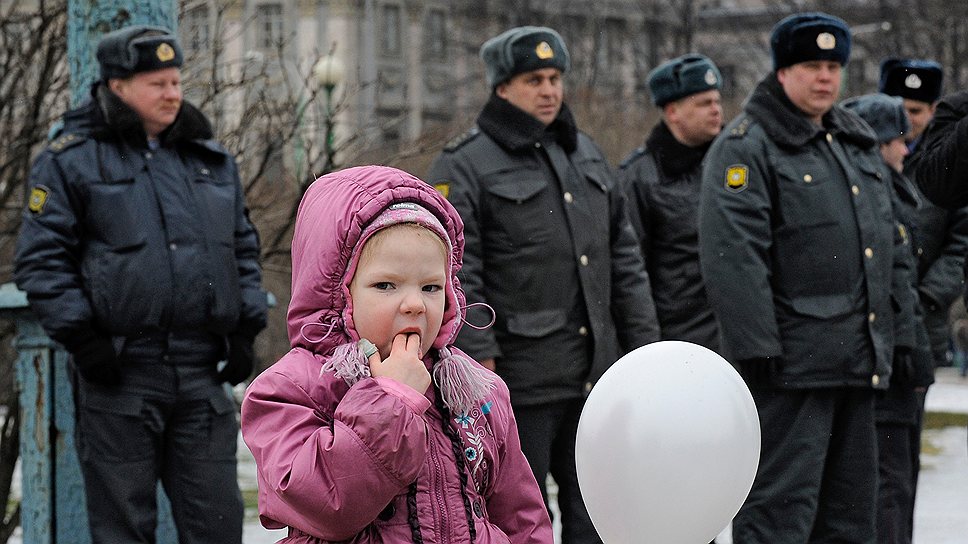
(662, 182)
(898, 410)
(549, 247)
(799, 254)
(137, 255)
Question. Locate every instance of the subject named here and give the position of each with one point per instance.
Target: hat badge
(165, 52)
(912, 82)
(544, 51)
(826, 41)
(710, 77)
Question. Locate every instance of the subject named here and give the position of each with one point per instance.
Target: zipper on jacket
(439, 490)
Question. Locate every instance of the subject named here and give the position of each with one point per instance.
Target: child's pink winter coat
(375, 462)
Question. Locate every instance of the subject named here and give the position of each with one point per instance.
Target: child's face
(398, 287)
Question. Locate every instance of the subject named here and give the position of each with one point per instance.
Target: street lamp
(329, 74)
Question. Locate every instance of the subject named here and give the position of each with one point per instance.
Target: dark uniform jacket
(152, 247)
(941, 167)
(798, 247)
(549, 246)
(661, 180)
(899, 404)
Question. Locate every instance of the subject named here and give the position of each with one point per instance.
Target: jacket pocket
(115, 212)
(822, 306)
(517, 208)
(536, 324)
(217, 202)
(106, 417)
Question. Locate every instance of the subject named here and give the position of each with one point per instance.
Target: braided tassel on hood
(462, 384)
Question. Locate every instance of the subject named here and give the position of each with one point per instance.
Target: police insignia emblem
(826, 40)
(903, 232)
(165, 52)
(37, 200)
(912, 82)
(710, 77)
(737, 178)
(443, 189)
(544, 51)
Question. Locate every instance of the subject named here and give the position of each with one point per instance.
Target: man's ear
(115, 86)
(502, 90)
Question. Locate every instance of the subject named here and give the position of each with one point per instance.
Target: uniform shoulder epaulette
(459, 141)
(741, 128)
(633, 156)
(65, 141)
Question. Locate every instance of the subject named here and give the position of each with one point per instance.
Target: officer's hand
(902, 368)
(758, 372)
(240, 360)
(97, 362)
(404, 363)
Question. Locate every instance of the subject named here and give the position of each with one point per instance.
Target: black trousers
(547, 434)
(173, 423)
(817, 478)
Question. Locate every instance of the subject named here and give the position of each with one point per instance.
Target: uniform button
(204, 171)
(869, 253)
(173, 246)
(855, 189)
(871, 317)
(568, 198)
(148, 154)
(875, 379)
(588, 387)
(829, 138)
(583, 330)
(920, 251)
(165, 357)
(807, 178)
(478, 511)
(537, 144)
(583, 260)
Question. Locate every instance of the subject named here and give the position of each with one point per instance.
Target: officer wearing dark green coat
(549, 247)
(798, 251)
(662, 182)
(898, 410)
(137, 255)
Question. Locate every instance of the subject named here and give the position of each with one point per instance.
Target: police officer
(944, 233)
(797, 248)
(137, 255)
(899, 408)
(549, 247)
(662, 181)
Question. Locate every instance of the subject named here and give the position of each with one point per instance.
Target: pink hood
(323, 262)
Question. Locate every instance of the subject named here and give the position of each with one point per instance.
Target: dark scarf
(113, 119)
(788, 126)
(674, 157)
(515, 129)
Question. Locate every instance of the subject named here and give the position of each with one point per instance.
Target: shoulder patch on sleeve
(459, 141)
(737, 177)
(740, 129)
(443, 188)
(631, 158)
(37, 199)
(65, 141)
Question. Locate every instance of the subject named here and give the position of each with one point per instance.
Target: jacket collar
(672, 156)
(786, 125)
(114, 118)
(515, 129)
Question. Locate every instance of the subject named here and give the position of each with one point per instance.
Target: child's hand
(404, 363)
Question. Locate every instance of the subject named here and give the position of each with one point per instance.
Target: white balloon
(667, 447)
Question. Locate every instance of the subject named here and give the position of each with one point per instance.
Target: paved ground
(941, 512)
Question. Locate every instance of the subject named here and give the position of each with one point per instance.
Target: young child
(373, 428)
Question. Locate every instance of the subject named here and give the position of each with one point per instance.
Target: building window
(391, 40)
(196, 29)
(435, 35)
(268, 26)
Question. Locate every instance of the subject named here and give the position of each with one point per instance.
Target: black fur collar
(788, 126)
(120, 121)
(515, 129)
(672, 156)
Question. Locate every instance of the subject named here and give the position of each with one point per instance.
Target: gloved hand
(758, 372)
(240, 360)
(96, 360)
(902, 367)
